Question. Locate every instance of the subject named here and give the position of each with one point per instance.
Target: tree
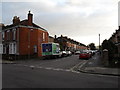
(92, 46)
(110, 46)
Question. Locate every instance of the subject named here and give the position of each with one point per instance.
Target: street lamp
(99, 41)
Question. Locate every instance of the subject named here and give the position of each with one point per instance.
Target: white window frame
(10, 48)
(3, 36)
(43, 36)
(14, 34)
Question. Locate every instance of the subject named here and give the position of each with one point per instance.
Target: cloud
(73, 18)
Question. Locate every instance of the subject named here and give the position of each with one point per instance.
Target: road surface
(56, 73)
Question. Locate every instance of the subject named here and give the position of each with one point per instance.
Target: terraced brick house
(69, 44)
(51, 39)
(23, 39)
(115, 38)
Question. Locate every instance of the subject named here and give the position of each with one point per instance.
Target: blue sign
(46, 47)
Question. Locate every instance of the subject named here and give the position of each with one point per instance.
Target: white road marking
(82, 64)
(48, 68)
(60, 69)
(39, 67)
(90, 63)
(75, 72)
(66, 70)
(25, 65)
(77, 65)
(56, 69)
(31, 66)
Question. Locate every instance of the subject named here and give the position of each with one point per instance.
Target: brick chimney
(16, 20)
(30, 18)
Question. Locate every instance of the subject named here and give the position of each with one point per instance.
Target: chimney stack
(30, 18)
(16, 20)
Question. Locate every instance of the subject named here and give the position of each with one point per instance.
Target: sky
(81, 20)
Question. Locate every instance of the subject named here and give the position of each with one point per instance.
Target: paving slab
(94, 67)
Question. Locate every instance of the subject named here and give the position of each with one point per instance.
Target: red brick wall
(23, 41)
(33, 37)
(40, 40)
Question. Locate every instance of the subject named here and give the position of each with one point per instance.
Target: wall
(30, 38)
(41, 40)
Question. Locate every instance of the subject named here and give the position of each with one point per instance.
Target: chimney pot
(30, 18)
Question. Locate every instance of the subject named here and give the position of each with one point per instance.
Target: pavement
(94, 66)
(6, 62)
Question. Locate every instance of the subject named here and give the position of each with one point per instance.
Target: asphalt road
(55, 73)
(64, 63)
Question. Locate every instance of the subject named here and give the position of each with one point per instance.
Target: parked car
(77, 52)
(84, 55)
(64, 53)
(94, 52)
(60, 54)
(68, 53)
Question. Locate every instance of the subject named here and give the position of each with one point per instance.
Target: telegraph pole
(99, 41)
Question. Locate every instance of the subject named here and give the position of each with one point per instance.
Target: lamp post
(99, 41)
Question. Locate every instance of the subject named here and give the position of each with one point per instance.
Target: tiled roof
(51, 37)
(24, 23)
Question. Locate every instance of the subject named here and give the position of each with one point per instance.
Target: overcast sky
(81, 20)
